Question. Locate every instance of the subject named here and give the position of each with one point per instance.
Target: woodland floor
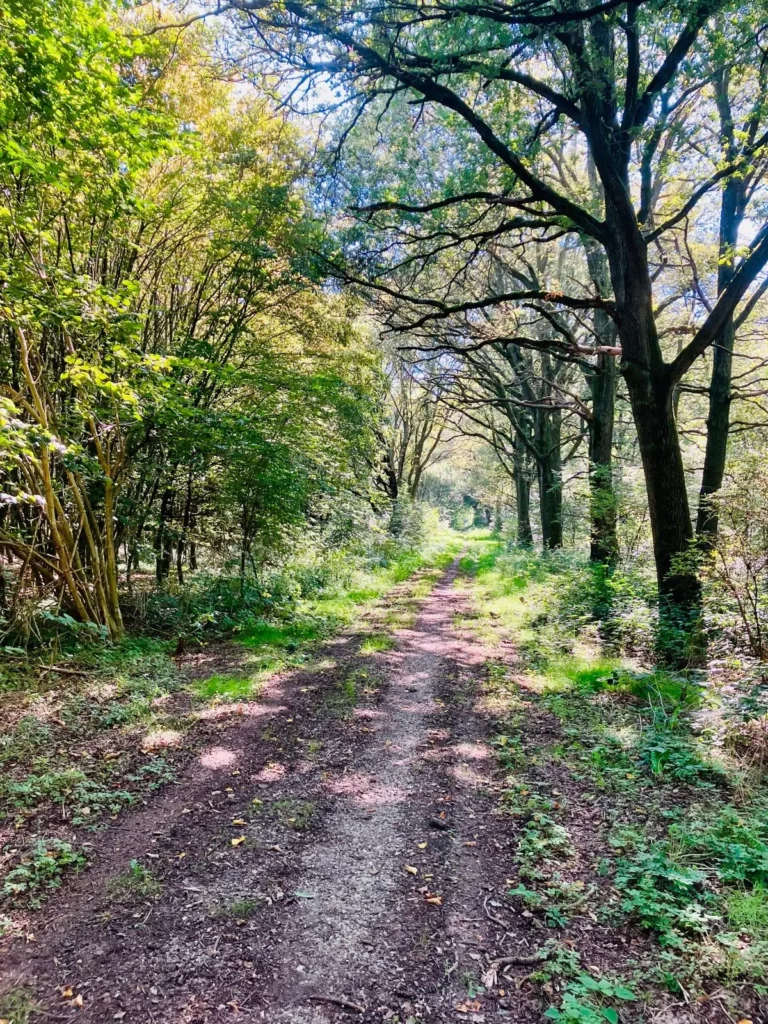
(337, 850)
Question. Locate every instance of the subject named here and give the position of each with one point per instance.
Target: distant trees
(413, 433)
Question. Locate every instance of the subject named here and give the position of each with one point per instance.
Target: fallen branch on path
(491, 976)
(492, 917)
(338, 1001)
(62, 671)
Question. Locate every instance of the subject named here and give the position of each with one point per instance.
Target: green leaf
(624, 993)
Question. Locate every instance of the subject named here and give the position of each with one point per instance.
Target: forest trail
(332, 855)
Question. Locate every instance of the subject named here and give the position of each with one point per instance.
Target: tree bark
(523, 499)
(732, 207)
(650, 387)
(547, 439)
(652, 408)
(604, 543)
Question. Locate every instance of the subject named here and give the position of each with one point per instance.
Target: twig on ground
(492, 917)
(63, 671)
(338, 1001)
(492, 974)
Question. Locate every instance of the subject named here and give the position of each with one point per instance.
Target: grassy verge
(681, 854)
(90, 729)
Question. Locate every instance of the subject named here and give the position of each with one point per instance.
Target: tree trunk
(718, 419)
(652, 408)
(523, 499)
(497, 523)
(604, 545)
(547, 423)
(162, 538)
(651, 398)
(718, 425)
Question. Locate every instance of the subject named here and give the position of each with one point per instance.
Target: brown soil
(321, 860)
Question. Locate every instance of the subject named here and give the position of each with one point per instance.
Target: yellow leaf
(410, 869)
(422, 846)
(67, 993)
(436, 901)
(236, 842)
(239, 821)
(256, 802)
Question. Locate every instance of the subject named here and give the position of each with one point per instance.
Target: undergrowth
(685, 840)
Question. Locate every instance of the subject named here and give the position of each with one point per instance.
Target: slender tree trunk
(523, 499)
(718, 419)
(718, 426)
(162, 540)
(604, 545)
(497, 523)
(547, 423)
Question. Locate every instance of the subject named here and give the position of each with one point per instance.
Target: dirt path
(336, 845)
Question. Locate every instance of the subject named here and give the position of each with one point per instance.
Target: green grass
(377, 642)
(227, 687)
(138, 882)
(240, 909)
(747, 912)
(295, 814)
(343, 698)
(280, 635)
(18, 1006)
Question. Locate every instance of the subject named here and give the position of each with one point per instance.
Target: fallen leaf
(236, 842)
(67, 993)
(410, 869)
(77, 1001)
(422, 846)
(256, 802)
(436, 901)
(119, 1015)
(239, 821)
